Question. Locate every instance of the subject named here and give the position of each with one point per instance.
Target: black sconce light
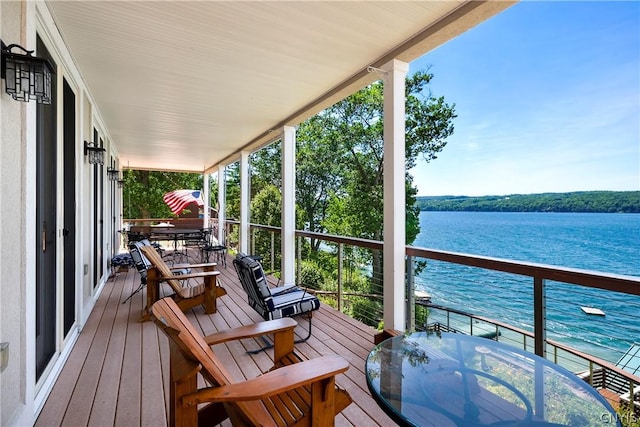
(95, 153)
(113, 174)
(26, 76)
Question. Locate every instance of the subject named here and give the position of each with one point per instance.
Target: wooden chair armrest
(250, 331)
(190, 275)
(274, 382)
(179, 266)
(209, 264)
(183, 266)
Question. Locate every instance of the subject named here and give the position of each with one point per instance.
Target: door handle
(44, 240)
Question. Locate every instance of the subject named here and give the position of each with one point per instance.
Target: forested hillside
(582, 201)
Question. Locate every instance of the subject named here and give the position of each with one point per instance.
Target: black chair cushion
(271, 303)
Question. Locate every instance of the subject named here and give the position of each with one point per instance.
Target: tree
(318, 174)
(266, 165)
(266, 210)
(357, 123)
(266, 206)
(143, 191)
(232, 190)
(339, 162)
(353, 132)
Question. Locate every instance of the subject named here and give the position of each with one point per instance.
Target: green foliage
(627, 416)
(311, 275)
(412, 215)
(582, 201)
(265, 168)
(358, 282)
(339, 162)
(353, 130)
(319, 174)
(367, 311)
(143, 191)
(266, 210)
(266, 206)
(232, 190)
(421, 315)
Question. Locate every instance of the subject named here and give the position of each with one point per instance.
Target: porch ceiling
(185, 85)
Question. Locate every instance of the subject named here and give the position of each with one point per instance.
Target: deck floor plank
(83, 398)
(105, 401)
(129, 397)
(152, 410)
(117, 374)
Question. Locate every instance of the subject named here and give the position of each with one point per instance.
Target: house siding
(21, 397)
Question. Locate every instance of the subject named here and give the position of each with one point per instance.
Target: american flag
(179, 199)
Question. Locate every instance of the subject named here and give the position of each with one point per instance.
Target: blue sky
(548, 100)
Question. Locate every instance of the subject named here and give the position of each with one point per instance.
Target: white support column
(222, 206)
(394, 194)
(243, 242)
(288, 205)
(206, 195)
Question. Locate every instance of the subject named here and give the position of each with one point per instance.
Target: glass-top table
(447, 379)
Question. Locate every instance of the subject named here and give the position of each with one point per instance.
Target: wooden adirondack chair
(300, 394)
(186, 294)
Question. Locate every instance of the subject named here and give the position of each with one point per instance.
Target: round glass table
(447, 379)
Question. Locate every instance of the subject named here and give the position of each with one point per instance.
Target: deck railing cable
(534, 318)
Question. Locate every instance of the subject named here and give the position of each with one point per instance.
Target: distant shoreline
(575, 202)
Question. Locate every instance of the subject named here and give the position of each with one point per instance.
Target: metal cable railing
(527, 304)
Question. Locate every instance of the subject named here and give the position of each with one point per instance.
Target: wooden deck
(117, 373)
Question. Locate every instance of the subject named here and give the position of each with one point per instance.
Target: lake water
(601, 242)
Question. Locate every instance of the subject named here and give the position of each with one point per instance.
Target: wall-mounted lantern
(113, 174)
(26, 76)
(94, 153)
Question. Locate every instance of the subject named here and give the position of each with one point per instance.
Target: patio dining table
(175, 235)
(453, 379)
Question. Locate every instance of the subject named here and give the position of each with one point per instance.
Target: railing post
(340, 266)
(539, 317)
(252, 245)
(410, 324)
(273, 253)
(299, 262)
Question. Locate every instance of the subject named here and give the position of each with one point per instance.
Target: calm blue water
(601, 242)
